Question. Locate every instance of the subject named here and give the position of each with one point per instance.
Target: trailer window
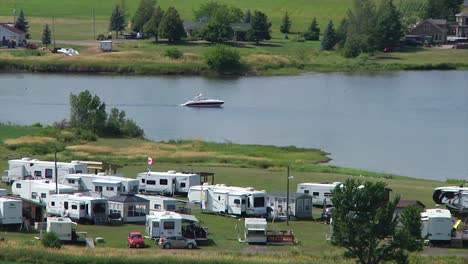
(79, 171)
(43, 195)
(163, 182)
(99, 208)
(109, 188)
(136, 210)
(259, 201)
(157, 206)
(171, 207)
(48, 173)
(82, 206)
(98, 188)
(71, 181)
(328, 195)
(52, 203)
(142, 180)
(156, 224)
(243, 201)
(182, 185)
(151, 182)
(315, 194)
(34, 195)
(38, 173)
(18, 185)
(119, 189)
(307, 204)
(65, 205)
(255, 232)
(74, 207)
(169, 225)
(306, 191)
(236, 201)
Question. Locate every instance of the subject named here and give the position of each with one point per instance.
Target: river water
(408, 123)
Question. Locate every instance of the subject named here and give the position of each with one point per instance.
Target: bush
(223, 58)
(309, 35)
(51, 240)
(131, 129)
(173, 53)
(299, 39)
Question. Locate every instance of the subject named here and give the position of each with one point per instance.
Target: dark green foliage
(46, 35)
(442, 9)
(260, 27)
(171, 25)
(216, 31)
(22, 24)
(329, 37)
(118, 125)
(173, 53)
(247, 16)
(151, 28)
(51, 240)
(285, 24)
(117, 20)
(222, 58)
(313, 32)
(364, 223)
(410, 233)
(341, 32)
(87, 112)
(219, 12)
(388, 27)
(143, 14)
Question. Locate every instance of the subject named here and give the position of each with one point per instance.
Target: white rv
(27, 168)
(170, 182)
(164, 223)
(37, 191)
(321, 192)
(453, 197)
(436, 225)
(100, 185)
(11, 212)
(162, 203)
(63, 227)
(78, 207)
(255, 230)
(229, 199)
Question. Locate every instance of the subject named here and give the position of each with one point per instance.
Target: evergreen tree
(143, 14)
(219, 12)
(216, 31)
(388, 27)
(171, 25)
(313, 32)
(286, 24)
(247, 16)
(117, 20)
(151, 28)
(341, 32)
(442, 9)
(329, 37)
(46, 35)
(260, 27)
(22, 24)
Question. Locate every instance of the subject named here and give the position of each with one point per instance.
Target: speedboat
(199, 101)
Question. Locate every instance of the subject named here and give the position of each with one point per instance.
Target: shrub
(173, 53)
(51, 240)
(309, 35)
(223, 58)
(131, 129)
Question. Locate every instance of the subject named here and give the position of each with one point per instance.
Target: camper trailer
(255, 230)
(453, 197)
(164, 223)
(37, 191)
(167, 183)
(229, 199)
(162, 203)
(100, 185)
(321, 192)
(11, 212)
(27, 168)
(64, 228)
(78, 207)
(436, 225)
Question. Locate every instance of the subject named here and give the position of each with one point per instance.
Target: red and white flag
(150, 161)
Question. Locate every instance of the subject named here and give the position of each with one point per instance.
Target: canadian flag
(150, 161)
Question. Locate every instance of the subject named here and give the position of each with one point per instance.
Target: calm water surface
(409, 123)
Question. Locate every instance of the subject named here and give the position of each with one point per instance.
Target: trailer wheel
(189, 245)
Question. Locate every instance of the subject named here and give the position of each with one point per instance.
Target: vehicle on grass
(177, 242)
(135, 240)
(167, 224)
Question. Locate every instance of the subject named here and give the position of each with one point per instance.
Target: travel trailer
(436, 225)
(11, 212)
(162, 203)
(100, 185)
(255, 230)
(164, 224)
(229, 199)
(37, 191)
(27, 168)
(78, 207)
(453, 197)
(64, 228)
(321, 192)
(167, 183)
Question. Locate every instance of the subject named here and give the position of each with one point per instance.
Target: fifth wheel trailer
(11, 212)
(321, 192)
(168, 183)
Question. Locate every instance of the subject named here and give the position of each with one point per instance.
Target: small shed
(300, 204)
(402, 204)
(11, 37)
(106, 45)
(131, 208)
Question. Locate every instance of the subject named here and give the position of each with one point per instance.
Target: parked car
(136, 240)
(177, 242)
(412, 42)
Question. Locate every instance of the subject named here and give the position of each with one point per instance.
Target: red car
(136, 240)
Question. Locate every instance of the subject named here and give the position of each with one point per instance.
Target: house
(402, 204)
(300, 204)
(130, 207)
(461, 26)
(11, 36)
(433, 29)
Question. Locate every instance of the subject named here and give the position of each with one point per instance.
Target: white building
(170, 182)
(300, 205)
(100, 185)
(130, 207)
(11, 36)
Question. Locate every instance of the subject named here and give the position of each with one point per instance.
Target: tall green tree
(285, 24)
(247, 16)
(117, 20)
(219, 12)
(329, 37)
(313, 32)
(87, 112)
(143, 13)
(216, 31)
(363, 220)
(22, 24)
(389, 25)
(151, 28)
(260, 27)
(442, 9)
(46, 35)
(171, 25)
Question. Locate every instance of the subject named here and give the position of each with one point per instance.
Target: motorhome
(100, 185)
(229, 199)
(165, 223)
(162, 203)
(321, 192)
(27, 168)
(11, 212)
(78, 207)
(167, 183)
(453, 197)
(38, 191)
(436, 225)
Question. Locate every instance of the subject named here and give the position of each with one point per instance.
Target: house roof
(406, 203)
(438, 22)
(12, 29)
(127, 199)
(292, 195)
(462, 14)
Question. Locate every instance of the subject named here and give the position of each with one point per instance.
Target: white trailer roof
(436, 213)
(173, 215)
